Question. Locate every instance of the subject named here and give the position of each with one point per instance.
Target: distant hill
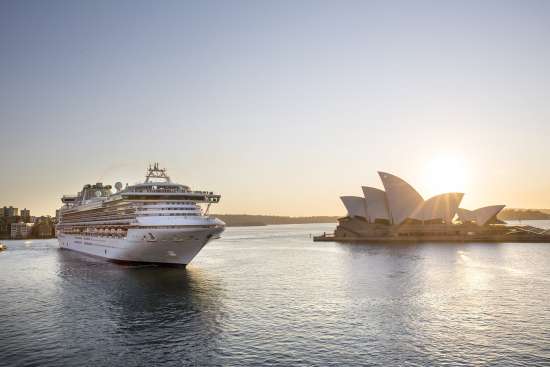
(524, 214)
(244, 220)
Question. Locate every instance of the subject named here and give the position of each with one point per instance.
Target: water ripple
(269, 296)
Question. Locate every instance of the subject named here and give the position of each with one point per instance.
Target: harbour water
(269, 295)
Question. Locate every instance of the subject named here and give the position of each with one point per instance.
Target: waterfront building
(399, 213)
(21, 230)
(5, 225)
(399, 203)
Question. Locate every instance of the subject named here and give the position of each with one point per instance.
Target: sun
(446, 173)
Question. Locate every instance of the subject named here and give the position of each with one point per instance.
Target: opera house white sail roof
(375, 201)
(355, 206)
(402, 198)
(400, 201)
(481, 215)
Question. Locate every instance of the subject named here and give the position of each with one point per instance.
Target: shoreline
(237, 225)
(26, 238)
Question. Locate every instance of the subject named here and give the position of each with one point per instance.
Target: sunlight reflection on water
(269, 295)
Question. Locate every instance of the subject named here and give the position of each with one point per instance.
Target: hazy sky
(280, 107)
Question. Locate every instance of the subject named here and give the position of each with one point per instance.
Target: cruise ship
(154, 222)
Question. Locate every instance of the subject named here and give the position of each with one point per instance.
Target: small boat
(3, 247)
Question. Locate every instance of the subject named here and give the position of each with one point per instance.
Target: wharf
(359, 230)
(510, 238)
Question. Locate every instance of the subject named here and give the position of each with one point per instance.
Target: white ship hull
(156, 221)
(159, 246)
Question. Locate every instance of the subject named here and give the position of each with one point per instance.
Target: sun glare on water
(446, 173)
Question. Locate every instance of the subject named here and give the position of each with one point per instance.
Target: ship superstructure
(156, 221)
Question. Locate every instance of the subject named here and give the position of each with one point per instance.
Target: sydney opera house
(400, 213)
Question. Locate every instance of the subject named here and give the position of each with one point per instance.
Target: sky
(279, 106)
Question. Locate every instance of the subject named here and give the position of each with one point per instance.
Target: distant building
(5, 225)
(21, 230)
(10, 211)
(26, 215)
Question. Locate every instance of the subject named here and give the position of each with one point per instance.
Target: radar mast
(156, 173)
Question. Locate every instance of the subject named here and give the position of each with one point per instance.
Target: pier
(451, 233)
